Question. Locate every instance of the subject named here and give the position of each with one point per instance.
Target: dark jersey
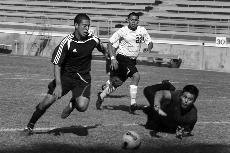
(74, 56)
(177, 116)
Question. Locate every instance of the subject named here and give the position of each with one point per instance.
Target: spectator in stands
(124, 47)
(171, 110)
(72, 65)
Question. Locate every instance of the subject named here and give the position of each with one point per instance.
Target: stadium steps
(133, 2)
(204, 3)
(211, 17)
(70, 5)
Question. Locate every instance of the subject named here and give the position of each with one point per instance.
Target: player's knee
(147, 91)
(82, 103)
(116, 82)
(115, 85)
(136, 78)
(46, 103)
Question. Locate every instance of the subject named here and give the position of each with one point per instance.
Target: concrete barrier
(194, 55)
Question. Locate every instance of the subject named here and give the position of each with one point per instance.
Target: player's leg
(153, 120)
(69, 108)
(41, 108)
(132, 72)
(116, 81)
(82, 103)
(105, 85)
(39, 111)
(80, 96)
(150, 91)
(78, 101)
(107, 69)
(133, 91)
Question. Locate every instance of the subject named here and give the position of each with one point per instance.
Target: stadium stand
(208, 17)
(199, 21)
(60, 12)
(191, 16)
(160, 17)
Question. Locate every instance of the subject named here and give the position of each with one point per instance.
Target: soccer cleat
(165, 81)
(67, 111)
(103, 87)
(147, 110)
(168, 85)
(99, 101)
(133, 108)
(28, 130)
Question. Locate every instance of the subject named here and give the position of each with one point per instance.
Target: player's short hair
(191, 89)
(133, 14)
(80, 17)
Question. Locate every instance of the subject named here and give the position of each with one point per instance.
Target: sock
(36, 115)
(133, 93)
(107, 83)
(109, 89)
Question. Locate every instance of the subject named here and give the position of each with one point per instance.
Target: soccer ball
(131, 140)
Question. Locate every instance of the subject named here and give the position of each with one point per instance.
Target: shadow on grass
(78, 130)
(124, 108)
(116, 96)
(70, 148)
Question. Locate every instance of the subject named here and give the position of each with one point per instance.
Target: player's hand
(114, 64)
(179, 132)
(106, 55)
(161, 112)
(58, 92)
(146, 50)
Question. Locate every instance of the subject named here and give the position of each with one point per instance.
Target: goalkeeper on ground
(171, 110)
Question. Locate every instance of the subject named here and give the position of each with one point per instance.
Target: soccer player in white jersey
(124, 47)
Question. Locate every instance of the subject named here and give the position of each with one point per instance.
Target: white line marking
(103, 125)
(25, 78)
(214, 122)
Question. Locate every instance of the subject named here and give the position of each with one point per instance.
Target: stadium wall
(199, 56)
(194, 55)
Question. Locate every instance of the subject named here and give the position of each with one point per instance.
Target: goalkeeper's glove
(181, 132)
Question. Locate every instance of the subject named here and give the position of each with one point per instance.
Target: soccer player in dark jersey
(72, 65)
(171, 110)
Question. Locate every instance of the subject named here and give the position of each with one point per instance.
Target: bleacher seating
(181, 16)
(194, 16)
(60, 12)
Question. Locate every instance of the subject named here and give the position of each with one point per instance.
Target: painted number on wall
(221, 41)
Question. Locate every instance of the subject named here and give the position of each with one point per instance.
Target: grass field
(23, 83)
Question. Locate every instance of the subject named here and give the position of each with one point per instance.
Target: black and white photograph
(114, 76)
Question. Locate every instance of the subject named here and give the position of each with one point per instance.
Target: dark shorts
(80, 85)
(108, 63)
(126, 68)
(159, 123)
(150, 91)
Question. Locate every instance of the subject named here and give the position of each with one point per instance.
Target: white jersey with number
(128, 42)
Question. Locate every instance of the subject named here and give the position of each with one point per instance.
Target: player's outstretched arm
(162, 96)
(101, 48)
(150, 46)
(112, 53)
(57, 75)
